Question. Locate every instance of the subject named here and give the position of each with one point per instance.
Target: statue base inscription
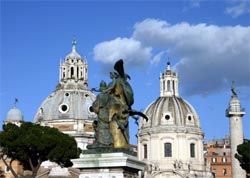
(108, 165)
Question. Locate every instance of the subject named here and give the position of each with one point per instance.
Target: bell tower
(235, 113)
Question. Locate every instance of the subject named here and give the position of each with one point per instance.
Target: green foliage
(32, 144)
(243, 155)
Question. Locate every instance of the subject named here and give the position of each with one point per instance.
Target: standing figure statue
(233, 90)
(113, 108)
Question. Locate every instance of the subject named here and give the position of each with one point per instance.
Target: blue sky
(207, 43)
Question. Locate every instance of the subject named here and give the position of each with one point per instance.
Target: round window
(189, 118)
(167, 117)
(63, 108)
(91, 109)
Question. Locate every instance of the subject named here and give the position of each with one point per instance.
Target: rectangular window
(145, 151)
(224, 172)
(167, 150)
(224, 159)
(214, 172)
(214, 160)
(192, 150)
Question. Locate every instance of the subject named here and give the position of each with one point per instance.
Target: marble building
(68, 107)
(171, 141)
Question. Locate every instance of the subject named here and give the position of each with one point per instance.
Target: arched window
(145, 151)
(168, 85)
(224, 171)
(167, 149)
(214, 160)
(71, 72)
(224, 159)
(77, 72)
(192, 150)
(173, 85)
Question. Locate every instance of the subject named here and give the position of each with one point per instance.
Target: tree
(32, 144)
(243, 155)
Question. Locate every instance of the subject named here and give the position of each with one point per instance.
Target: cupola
(168, 82)
(14, 115)
(73, 70)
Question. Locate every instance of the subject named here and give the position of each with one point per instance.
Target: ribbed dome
(14, 115)
(66, 104)
(170, 111)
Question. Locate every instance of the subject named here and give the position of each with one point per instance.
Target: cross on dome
(168, 64)
(15, 102)
(74, 45)
(74, 42)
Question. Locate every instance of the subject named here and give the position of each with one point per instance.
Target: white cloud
(208, 55)
(156, 59)
(191, 5)
(127, 49)
(239, 8)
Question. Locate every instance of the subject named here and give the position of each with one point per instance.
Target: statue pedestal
(108, 165)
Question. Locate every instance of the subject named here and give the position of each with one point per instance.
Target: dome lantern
(74, 70)
(168, 82)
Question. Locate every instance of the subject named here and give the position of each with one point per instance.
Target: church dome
(73, 54)
(68, 107)
(14, 115)
(66, 104)
(170, 111)
(170, 141)
(72, 99)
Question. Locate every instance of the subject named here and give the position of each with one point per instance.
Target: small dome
(73, 54)
(170, 111)
(14, 115)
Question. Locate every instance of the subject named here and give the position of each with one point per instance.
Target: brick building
(218, 156)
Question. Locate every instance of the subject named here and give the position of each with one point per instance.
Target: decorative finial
(233, 90)
(168, 64)
(15, 102)
(74, 42)
(74, 45)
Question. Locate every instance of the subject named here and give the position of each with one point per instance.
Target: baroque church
(68, 107)
(170, 142)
